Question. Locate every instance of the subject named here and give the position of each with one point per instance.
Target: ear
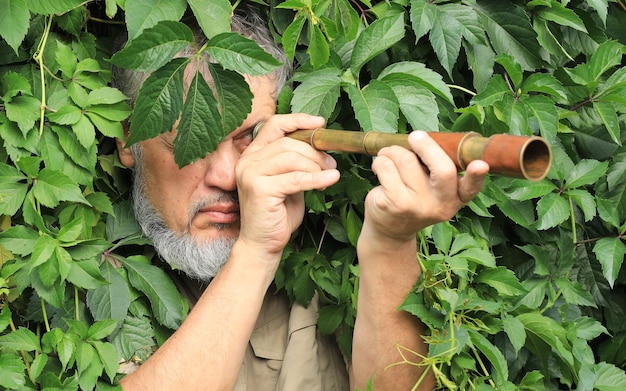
(126, 156)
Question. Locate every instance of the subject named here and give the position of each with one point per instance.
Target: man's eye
(244, 139)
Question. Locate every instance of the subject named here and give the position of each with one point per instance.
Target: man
(225, 219)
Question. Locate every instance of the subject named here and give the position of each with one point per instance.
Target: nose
(220, 166)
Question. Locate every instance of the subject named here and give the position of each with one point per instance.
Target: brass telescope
(527, 157)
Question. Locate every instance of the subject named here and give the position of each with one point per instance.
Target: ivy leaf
(514, 330)
(608, 55)
(610, 253)
(545, 113)
(417, 103)
(376, 38)
(318, 50)
(445, 38)
(291, 36)
(19, 239)
(318, 92)
(375, 107)
(44, 7)
(330, 317)
(109, 357)
(101, 329)
(501, 370)
(586, 172)
(52, 187)
(423, 14)
(502, 280)
(544, 83)
(552, 210)
(23, 110)
(160, 290)
(417, 72)
(154, 47)
(510, 31)
(494, 91)
(557, 13)
(241, 54)
(159, 102)
(20, 339)
(574, 293)
(143, 14)
(233, 96)
(609, 377)
(136, 334)
(213, 16)
(608, 113)
(585, 201)
(13, 371)
(109, 301)
(200, 129)
(14, 22)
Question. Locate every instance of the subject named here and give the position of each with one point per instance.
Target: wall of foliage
(523, 290)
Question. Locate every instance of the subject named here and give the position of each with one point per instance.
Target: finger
(472, 182)
(411, 172)
(279, 125)
(288, 154)
(295, 182)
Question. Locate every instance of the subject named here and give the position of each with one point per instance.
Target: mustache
(222, 197)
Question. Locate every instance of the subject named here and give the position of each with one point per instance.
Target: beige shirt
(286, 351)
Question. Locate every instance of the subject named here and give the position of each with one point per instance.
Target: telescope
(527, 157)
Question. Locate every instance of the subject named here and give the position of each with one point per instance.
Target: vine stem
(483, 367)
(45, 314)
(22, 353)
(573, 218)
(76, 304)
(38, 57)
(461, 88)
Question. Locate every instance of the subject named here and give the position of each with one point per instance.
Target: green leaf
(318, 92)
(20, 339)
(330, 318)
(318, 50)
(291, 36)
(417, 103)
(552, 210)
(66, 115)
(52, 187)
(44, 7)
(110, 301)
(574, 293)
(417, 72)
(559, 14)
(376, 38)
(160, 290)
(610, 253)
(237, 53)
(213, 15)
(108, 356)
(19, 239)
(609, 377)
(502, 280)
(586, 172)
(608, 113)
(23, 110)
(544, 83)
(12, 84)
(200, 129)
(510, 32)
(135, 334)
(375, 107)
(13, 371)
(233, 96)
(445, 38)
(500, 370)
(494, 91)
(143, 14)
(154, 47)
(159, 102)
(102, 329)
(85, 274)
(545, 113)
(354, 224)
(608, 55)
(14, 22)
(514, 330)
(585, 201)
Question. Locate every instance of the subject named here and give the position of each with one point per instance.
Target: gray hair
(245, 22)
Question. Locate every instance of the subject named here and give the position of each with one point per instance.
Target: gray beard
(200, 261)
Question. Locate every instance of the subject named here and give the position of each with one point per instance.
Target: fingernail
(417, 135)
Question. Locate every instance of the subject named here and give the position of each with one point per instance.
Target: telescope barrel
(527, 157)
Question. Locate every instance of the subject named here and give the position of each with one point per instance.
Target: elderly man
(225, 219)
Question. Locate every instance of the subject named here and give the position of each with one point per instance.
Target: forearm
(382, 332)
(207, 351)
